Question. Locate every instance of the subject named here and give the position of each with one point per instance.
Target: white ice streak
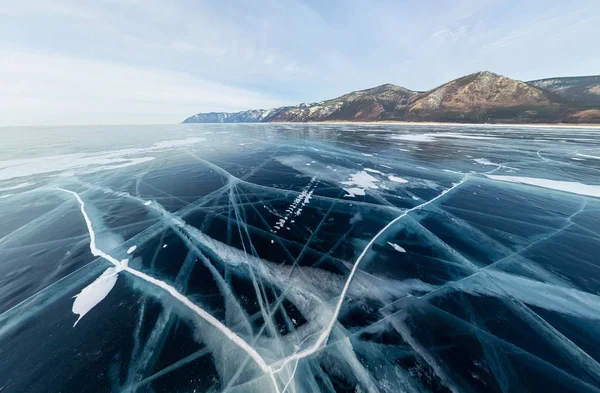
(414, 137)
(68, 162)
(89, 162)
(17, 186)
(561, 299)
(99, 289)
(451, 171)
(374, 171)
(460, 136)
(431, 137)
(559, 185)
(397, 179)
(126, 162)
(396, 247)
(540, 156)
(95, 251)
(588, 156)
(484, 161)
(177, 143)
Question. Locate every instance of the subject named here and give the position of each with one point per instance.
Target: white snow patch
(362, 180)
(396, 247)
(354, 191)
(147, 203)
(566, 186)
(131, 249)
(90, 296)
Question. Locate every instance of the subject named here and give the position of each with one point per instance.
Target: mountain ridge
(481, 97)
(583, 89)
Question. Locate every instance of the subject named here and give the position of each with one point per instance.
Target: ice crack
(120, 266)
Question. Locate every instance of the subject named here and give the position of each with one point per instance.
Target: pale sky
(77, 62)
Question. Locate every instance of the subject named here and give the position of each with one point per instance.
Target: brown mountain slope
(583, 90)
(362, 105)
(483, 97)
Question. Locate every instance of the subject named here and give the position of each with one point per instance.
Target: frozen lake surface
(300, 258)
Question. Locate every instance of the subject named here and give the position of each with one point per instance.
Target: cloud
(185, 47)
(41, 88)
(449, 34)
(188, 53)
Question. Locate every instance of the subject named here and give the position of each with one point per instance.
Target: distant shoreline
(378, 122)
(432, 123)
